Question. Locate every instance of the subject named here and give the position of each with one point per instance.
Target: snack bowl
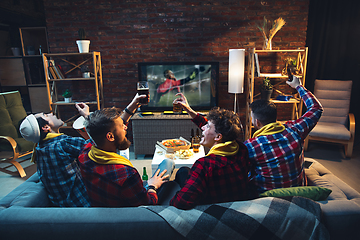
(184, 154)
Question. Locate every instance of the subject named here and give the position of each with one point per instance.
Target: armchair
(12, 112)
(336, 125)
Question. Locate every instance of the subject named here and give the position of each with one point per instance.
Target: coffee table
(160, 155)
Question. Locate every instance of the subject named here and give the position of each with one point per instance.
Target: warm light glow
(236, 70)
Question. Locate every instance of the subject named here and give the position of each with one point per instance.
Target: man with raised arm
(222, 175)
(276, 150)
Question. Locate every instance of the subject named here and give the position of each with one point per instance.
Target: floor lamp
(236, 72)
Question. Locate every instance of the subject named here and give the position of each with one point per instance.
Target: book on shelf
(60, 70)
(53, 69)
(257, 67)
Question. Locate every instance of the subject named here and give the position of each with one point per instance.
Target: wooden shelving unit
(24, 71)
(71, 64)
(254, 74)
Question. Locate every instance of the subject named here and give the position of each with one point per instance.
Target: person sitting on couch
(222, 175)
(276, 150)
(110, 179)
(56, 157)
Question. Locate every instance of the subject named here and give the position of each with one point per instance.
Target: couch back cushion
(334, 96)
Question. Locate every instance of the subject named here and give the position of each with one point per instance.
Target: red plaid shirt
(279, 158)
(113, 185)
(214, 179)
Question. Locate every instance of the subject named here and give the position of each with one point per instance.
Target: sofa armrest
(84, 223)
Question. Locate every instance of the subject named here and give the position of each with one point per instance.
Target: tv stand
(147, 130)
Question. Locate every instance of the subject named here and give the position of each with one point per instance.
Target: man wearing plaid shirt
(222, 175)
(56, 158)
(110, 179)
(276, 150)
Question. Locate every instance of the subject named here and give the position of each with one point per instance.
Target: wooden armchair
(336, 125)
(12, 113)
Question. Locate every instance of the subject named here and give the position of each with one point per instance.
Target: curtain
(333, 38)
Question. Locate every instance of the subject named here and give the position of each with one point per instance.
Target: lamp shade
(236, 70)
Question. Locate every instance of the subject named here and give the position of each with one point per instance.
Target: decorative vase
(67, 100)
(16, 51)
(266, 94)
(83, 45)
(267, 44)
(86, 74)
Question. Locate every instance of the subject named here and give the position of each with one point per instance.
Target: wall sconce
(236, 72)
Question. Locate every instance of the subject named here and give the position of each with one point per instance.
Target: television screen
(196, 80)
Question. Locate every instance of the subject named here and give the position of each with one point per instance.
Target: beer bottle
(145, 176)
(191, 137)
(198, 133)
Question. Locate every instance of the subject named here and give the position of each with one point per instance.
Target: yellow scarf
(269, 129)
(102, 157)
(48, 136)
(225, 149)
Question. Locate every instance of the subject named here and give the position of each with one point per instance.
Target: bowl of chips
(184, 153)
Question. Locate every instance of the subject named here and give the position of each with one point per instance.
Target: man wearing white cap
(56, 157)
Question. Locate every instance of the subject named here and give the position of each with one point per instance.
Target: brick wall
(132, 31)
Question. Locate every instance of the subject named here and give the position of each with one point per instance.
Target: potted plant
(83, 43)
(67, 95)
(85, 71)
(266, 89)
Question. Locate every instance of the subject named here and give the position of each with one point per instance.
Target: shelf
(71, 65)
(58, 103)
(72, 79)
(272, 60)
(274, 75)
(67, 54)
(279, 50)
(291, 101)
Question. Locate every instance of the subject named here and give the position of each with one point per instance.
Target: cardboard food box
(172, 149)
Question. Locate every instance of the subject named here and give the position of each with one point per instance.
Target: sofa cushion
(312, 192)
(31, 193)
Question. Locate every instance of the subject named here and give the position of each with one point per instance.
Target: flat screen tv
(196, 80)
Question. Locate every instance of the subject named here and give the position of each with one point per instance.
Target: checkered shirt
(59, 171)
(215, 179)
(279, 158)
(113, 185)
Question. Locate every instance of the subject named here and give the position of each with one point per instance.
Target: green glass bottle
(145, 176)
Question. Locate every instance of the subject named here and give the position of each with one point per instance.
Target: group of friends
(90, 173)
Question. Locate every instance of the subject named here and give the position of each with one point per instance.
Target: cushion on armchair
(12, 113)
(331, 130)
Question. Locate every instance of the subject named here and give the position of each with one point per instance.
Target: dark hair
(100, 123)
(42, 122)
(226, 122)
(264, 111)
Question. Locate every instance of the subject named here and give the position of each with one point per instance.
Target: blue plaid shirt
(279, 158)
(58, 169)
